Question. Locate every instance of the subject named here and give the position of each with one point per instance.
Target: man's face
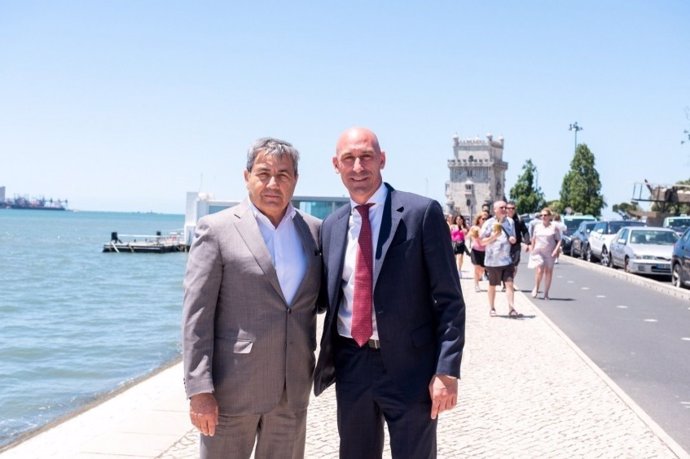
(511, 210)
(271, 183)
(359, 162)
(500, 209)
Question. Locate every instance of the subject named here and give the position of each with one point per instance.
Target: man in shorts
(497, 235)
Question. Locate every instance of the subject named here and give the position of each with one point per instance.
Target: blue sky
(127, 105)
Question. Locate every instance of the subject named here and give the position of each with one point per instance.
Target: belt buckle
(374, 344)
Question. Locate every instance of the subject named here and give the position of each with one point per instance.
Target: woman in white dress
(544, 248)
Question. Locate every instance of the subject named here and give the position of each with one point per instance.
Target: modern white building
(200, 204)
(477, 175)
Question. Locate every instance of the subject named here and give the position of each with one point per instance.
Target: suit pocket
(240, 341)
(242, 346)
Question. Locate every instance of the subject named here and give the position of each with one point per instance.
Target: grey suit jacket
(241, 340)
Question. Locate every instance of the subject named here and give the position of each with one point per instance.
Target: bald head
(359, 161)
(357, 135)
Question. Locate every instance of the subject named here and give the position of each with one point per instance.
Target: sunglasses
(545, 215)
(510, 208)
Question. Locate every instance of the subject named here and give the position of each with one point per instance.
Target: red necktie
(364, 274)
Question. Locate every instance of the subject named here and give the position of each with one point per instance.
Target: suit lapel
(392, 214)
(251, 235)
(336, 255)
(310, 251)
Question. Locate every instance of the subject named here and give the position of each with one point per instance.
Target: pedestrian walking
(521, 235)
(498, 233)
(477, 249)
(544, 248)
(458, 235)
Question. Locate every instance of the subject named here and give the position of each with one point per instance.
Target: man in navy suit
(400, 361)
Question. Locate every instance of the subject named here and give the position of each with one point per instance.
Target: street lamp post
(575, 127)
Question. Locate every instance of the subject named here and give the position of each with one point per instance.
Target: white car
(643, 250)
(599, 241)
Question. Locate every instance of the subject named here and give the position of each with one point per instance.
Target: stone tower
(477, 175)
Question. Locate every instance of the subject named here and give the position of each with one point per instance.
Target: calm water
(76, 323)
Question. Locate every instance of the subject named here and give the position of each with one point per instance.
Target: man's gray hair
(271, 147)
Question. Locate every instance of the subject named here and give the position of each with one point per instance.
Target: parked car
(578, 241)
(599, 244)
(572, 222)
(678, 224)
(680, 261)
(643, 250)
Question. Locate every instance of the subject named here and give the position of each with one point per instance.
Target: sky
(127, 105)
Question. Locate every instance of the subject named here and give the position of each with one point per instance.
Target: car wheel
(675, 276)
(605, 258)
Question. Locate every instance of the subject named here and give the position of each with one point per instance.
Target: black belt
(371, 344)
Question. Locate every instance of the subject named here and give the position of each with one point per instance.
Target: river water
(76, 323)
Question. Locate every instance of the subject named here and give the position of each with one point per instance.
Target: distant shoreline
(136, 212)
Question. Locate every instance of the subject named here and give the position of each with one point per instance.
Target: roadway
(635, 329)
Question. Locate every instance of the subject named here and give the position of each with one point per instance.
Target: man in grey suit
(395, 326)
(249, 321)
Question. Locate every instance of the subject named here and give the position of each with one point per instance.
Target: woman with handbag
(546, 243)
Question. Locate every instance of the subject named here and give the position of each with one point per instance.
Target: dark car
(578, 241)
(572, 223)
(680, 261)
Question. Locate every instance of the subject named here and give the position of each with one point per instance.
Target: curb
(634, 278)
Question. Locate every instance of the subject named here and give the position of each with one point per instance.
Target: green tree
(627, 210)
(526, 193)
(555, 206)
(581, 188)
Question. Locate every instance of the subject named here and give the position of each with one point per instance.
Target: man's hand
(444, 394)
(203, 411)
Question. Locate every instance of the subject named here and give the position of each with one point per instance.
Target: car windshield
(587, 227)
(618, 224)
(653, 237)
(679, 223)
(573, 223)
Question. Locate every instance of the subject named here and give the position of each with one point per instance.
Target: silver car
(643, 250)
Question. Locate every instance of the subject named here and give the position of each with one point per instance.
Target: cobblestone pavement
(525, 392)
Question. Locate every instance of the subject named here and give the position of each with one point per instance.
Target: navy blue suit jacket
(420, 312)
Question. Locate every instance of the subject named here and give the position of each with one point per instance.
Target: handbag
(534, 261)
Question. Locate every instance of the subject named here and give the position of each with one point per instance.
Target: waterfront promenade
(526, 391)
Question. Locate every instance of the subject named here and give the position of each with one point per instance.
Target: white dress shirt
(285, 246)
(353, 227)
